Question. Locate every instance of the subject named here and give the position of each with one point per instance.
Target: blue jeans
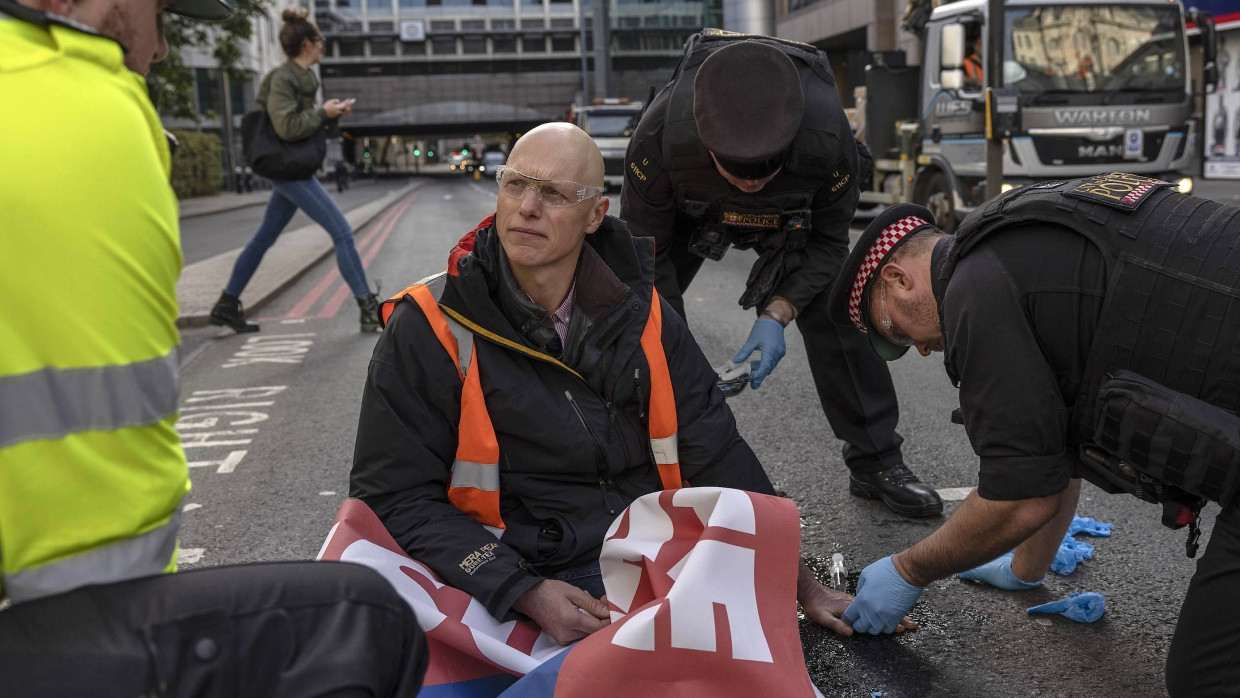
(309, 196)
(587, 577)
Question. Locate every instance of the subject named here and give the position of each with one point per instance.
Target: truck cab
(610, 122)
(1087, 86)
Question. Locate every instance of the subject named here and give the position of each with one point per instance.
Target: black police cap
(747, 103)
(849, 303)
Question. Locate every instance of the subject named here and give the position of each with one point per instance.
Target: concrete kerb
(294, 252)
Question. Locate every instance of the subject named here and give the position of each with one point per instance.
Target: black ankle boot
(227, 312)
(369, 306)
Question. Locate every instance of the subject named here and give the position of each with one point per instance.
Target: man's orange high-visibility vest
(474, 487)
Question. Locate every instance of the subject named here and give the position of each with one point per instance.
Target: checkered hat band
(887, 239)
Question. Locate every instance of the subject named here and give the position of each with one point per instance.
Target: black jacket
(574, 451)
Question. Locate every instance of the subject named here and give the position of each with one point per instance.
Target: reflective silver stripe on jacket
(51, 403)
(665, 450)
(480, 476)
(131, 558)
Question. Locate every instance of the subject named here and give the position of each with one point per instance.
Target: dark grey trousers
(267, 629)
(1204, 660)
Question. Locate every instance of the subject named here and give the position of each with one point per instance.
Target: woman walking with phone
(287, 94)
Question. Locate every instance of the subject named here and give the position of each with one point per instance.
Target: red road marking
(373, 244)
(302, 308)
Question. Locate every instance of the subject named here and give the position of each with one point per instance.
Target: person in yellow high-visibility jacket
(92, 474)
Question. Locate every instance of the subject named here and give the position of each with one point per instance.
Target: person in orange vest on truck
(519, 401)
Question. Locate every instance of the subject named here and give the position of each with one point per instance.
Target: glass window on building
(443, 25)
(413, 48)
(531, 2)
(349, 47)
(380, 27)
(474, 45)
(473, 24)
(383, 47)
(563, 44)
(503, 45)
(443, 45)
(382, 6)
(533, 23)
(563, 23)
(533, 44)
(411, 3)
(206, 91)
(506, 23)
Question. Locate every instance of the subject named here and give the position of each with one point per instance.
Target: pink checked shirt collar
(886, 240)
(560, 317)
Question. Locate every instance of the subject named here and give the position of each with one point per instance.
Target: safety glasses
(552, 193)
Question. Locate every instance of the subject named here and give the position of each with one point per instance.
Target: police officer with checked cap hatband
(749, 147)
(1090, 326)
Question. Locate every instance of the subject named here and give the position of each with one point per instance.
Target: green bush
(196, 165)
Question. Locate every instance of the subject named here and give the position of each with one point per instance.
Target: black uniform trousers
(1204, 660)
(268, 629)
(854, 385)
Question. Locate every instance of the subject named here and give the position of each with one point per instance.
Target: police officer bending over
(748, 147)
(1095, 337)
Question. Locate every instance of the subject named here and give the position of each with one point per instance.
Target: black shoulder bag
(276, 159)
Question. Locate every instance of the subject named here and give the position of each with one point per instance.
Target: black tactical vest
(816, 156)
(1162, 382)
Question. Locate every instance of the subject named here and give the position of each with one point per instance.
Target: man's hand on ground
(825, 606)
(565, 612)
(883, 600)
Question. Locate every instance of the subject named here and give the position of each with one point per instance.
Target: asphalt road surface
(268, 421)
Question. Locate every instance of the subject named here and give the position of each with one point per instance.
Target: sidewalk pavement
(294, 252)
(225, 201)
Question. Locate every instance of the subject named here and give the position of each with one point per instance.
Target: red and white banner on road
(702, 587)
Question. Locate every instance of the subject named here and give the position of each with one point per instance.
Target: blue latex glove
(1089, 527)
(1084, 607)
(998, 573)
(766, 336)
(1071, 552)
(883, 599)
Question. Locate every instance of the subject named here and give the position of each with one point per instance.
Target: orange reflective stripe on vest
(474, 488)
(663, 425)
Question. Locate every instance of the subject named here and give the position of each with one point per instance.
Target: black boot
(899, 489)
(227, 312)
(369, 306)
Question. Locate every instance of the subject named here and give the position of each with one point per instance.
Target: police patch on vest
(743, 219)
(1117, 189)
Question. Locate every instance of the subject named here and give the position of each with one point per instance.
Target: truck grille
(613, 167)
(1073, 150)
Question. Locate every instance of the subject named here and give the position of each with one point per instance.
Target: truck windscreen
(601, 124)
(1095, 48)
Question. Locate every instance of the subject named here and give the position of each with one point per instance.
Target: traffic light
(430, 153)
(417, 152)
(464, 151)
(366, 154)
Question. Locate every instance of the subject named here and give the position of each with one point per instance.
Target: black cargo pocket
(192, 657)
(1171, 437)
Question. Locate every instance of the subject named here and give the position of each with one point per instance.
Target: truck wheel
(939, 200)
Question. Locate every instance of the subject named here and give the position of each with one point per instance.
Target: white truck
(1087, 87)
(610, 122)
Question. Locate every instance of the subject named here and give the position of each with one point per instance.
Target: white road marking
(191, 507)
(327, 493)
(294, 321)
(189, 556)
(954, 494)
(228, 465)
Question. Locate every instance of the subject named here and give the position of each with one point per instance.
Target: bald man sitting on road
(519, 401)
